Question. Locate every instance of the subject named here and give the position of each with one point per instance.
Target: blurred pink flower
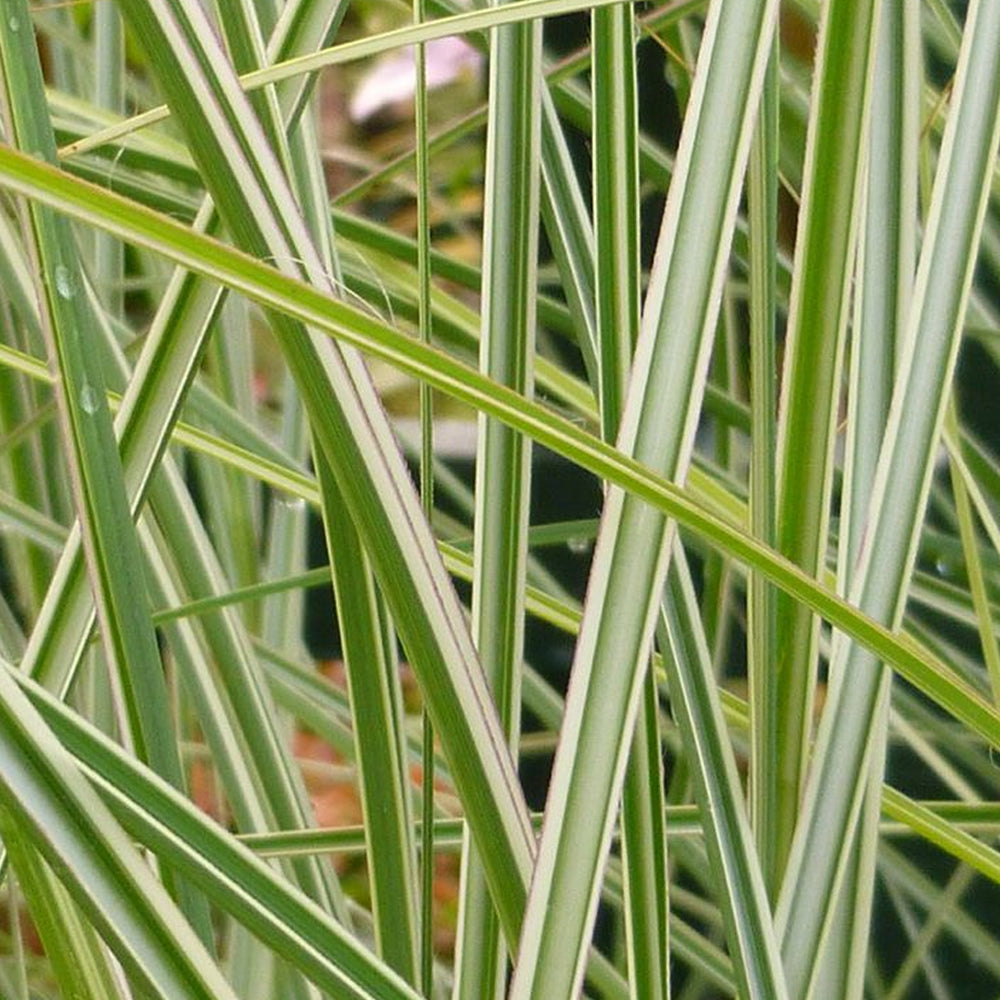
(392, 79)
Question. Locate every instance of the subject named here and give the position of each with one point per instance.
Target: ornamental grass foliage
(499, 500)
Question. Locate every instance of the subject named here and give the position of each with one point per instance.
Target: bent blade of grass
(110, 543)
(630, 561)
(912, 660)
(46, 794)
(351, 430)
(242, 884)
(427, 31)
(898, 501)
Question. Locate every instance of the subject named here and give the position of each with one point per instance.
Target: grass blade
(753, 944)
(110, 542)
(762, 202)
(631, 558)
(817, 323)
(225, 870)
(373, 684)
(902, 484)
(46, 795)
(911, 659)
(883, 290)
(351, 430)
(503, 457)
(616, 268)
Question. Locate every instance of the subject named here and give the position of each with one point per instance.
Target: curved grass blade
(110, 543)
(46, 795)
(913, 661)
(351, 430)
(79, 962)
(220, 865)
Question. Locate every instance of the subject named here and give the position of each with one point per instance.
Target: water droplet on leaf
(65, 286)
(88, 399)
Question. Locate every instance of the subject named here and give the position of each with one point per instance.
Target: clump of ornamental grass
(499, 501)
